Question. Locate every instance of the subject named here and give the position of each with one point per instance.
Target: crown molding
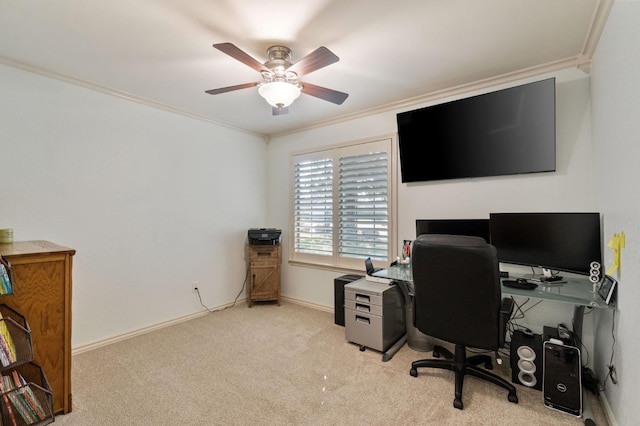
(581, 62)
(120, 94)
(575, 63)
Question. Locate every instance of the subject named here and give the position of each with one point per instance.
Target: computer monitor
(553, 241)
(471, 227)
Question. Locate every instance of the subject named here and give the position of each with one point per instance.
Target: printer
(264, 236)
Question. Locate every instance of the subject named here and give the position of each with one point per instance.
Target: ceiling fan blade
(280, 110)
(236, 53)
(324, 93)
(230, 88)
(319, 58)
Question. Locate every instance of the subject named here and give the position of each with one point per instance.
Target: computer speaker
(526, 359)
(594, 273)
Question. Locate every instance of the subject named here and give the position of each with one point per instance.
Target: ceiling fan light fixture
(279, 94)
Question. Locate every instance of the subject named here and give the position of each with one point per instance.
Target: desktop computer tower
(526, 359)
(562, 384)
(338, 296)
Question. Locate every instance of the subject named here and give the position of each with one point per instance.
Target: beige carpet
(276, 365)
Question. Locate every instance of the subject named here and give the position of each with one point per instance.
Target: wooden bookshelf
(42, 293)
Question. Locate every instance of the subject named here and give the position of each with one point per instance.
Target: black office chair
(458, 299)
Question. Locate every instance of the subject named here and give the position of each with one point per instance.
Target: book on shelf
(7, 404)
(6, 282)
(29, 395)
(4, 354)
(7, 346)
(17, 402)
(16, 390)
(23, 408)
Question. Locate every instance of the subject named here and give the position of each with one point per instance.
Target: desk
(574, 291)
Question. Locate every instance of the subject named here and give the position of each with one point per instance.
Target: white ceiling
(160, 52)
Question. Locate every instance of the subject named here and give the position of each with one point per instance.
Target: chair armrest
(506, 309)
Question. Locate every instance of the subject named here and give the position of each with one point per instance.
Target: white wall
(568, 189)
(616, 136)
(150, 200)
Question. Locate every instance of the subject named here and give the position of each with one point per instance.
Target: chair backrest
(457, 290)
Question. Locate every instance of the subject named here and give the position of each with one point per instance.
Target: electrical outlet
(194, 286)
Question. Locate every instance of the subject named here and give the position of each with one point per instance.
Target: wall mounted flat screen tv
(510, 131)
(472, 227)
(555, 241)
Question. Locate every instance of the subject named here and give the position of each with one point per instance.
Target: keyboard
(520, 283)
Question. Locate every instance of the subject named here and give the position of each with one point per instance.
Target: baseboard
(307, 304)
(608, 413)
(111, 340)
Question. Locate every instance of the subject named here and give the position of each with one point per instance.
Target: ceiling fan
(280, 85)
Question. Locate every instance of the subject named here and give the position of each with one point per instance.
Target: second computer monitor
(471, 227)
(568, 242)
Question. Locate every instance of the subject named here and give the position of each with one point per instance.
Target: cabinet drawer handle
(361, 307)
(362, 297)
(363, 319)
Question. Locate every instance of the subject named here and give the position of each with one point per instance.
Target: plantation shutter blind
(313, 206)
(364, 206)
(341, 205)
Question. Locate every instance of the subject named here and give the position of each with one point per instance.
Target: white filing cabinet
(374, 314)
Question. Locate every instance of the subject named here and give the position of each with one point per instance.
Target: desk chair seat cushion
(457, 290)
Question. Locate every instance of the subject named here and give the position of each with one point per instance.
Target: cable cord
(611, 374)
(519, 313)
(234, 301)
(583, 348)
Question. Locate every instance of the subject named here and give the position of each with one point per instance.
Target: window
(341, 205)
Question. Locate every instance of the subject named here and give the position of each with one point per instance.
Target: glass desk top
(576, 291)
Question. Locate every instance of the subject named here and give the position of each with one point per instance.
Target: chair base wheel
(436, 354)
(413, 372)
(513, 398)
(457, 403)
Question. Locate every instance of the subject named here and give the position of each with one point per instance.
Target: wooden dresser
(42, 294)
(263, 273)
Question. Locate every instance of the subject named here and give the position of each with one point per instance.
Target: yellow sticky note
(617, 242)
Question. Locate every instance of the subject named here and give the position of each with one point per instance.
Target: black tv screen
(510, 131)
(556, 241)
(472, 227)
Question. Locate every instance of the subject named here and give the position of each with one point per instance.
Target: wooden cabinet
(263, 273)
(42, 294)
